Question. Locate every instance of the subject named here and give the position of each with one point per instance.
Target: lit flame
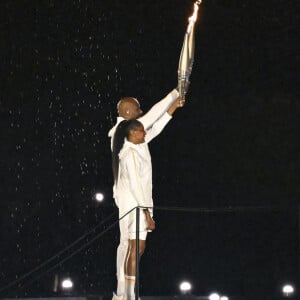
(193, 17)
(187, 53)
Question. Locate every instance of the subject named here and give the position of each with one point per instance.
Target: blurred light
(99, 197)
(288, 290)
(55, 284)
(67, 283)
(214, 296)
(224, 298)
(185, 287)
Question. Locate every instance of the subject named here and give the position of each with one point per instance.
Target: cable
(71, 255)
(225, 209)
(182, 209)
(54, 256)
(78, 250)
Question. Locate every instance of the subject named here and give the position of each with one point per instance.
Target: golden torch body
(187, 53)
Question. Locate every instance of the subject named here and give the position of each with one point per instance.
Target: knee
(142, 249)
(132, 249)
(133, 252)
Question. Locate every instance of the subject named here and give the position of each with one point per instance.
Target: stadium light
(67, 284)
(99, 197)
(214, 296)
(185, 287)
(288, 290)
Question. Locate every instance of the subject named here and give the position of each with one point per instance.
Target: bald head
(129, 108)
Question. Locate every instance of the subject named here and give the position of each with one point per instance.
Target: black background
(64, 66)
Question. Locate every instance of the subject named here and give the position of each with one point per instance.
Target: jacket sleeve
(137, 189)
(158, 110)
(157, 127)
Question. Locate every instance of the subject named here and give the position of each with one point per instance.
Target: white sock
(121, 255)
(130, 285)
(121, 288)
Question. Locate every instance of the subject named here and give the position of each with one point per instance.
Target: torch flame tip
(193, 17)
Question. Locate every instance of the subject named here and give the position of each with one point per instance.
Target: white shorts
(128, 226)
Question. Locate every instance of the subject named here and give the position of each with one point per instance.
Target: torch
(187, 53)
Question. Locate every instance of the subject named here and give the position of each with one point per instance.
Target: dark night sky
(64, 66)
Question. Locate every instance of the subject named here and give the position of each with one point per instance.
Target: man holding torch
(155, 120)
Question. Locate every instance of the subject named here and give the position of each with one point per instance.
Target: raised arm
(159, 125)
(158, 110)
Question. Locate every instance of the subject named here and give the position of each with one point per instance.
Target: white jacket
(134, 187)
(154, 114)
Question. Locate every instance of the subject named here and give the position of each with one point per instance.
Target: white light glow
(67, 283)
(288, 289)
(224, 298)
(99, 197)
(214, 296)
(185, 286)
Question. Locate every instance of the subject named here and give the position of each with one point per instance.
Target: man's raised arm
(158, 109)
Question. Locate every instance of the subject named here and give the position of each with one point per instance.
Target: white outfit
(134, 187)
(148, 120)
